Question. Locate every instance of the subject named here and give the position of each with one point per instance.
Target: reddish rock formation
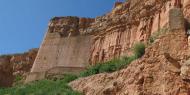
(163, 70)
(6, 71)
(22, 63)
(128, 23)
(15, 65)
(156, 73)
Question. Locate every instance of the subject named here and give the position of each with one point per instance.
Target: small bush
(18, 78)
(110, 66)
(69, 77)
(157, 34)
(139, 50)
(115, 64)
(91, 71)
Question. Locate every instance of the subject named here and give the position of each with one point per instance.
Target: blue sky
(23, 23)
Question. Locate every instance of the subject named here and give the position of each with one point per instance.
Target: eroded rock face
(131, 22)
(163, 70)
(186, 5)
(22, 63)
(156, 73)
(15, 65)
(6, 72)
(185, 70)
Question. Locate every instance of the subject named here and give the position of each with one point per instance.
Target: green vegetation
(60, 86)
(43, 87)
(108, 67)
(157, 34)
(139, 50)
(115, 64)
(18, 80)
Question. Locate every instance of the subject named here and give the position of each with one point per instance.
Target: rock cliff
(163, 70)
(158, 72)
(12, 66)
(126, 24)
(6, 72)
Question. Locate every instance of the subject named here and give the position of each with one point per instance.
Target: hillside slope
(159, 72)
(164, 69)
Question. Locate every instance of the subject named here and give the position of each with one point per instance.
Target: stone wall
(65, 45)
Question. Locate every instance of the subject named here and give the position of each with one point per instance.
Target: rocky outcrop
(128, 23)
(15, 65)
(22, 63)
(163, 69)
(6, 71)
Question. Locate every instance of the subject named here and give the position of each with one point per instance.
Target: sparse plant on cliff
(138, 49)
(18, 80)
(69, 77)
(109, 66)
(157, 34)
(115, 64)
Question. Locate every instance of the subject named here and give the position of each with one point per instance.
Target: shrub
(138, 50)
(115, 64)
(91, 70)
(69, 77)
(110, 66)
(157, 34)
(18, 78)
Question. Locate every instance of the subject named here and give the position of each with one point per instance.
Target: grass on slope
(115, 64)
(43, 87)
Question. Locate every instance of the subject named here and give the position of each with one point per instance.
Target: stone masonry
(64, 49)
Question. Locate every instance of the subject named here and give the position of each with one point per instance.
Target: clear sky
(23, 23)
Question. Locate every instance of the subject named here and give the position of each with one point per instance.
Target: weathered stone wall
(68, 52)
(64, 46)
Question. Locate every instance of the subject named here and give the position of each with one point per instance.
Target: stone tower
(64, 48)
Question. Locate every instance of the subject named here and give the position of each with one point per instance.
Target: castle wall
(63, 47)
(63, 52)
